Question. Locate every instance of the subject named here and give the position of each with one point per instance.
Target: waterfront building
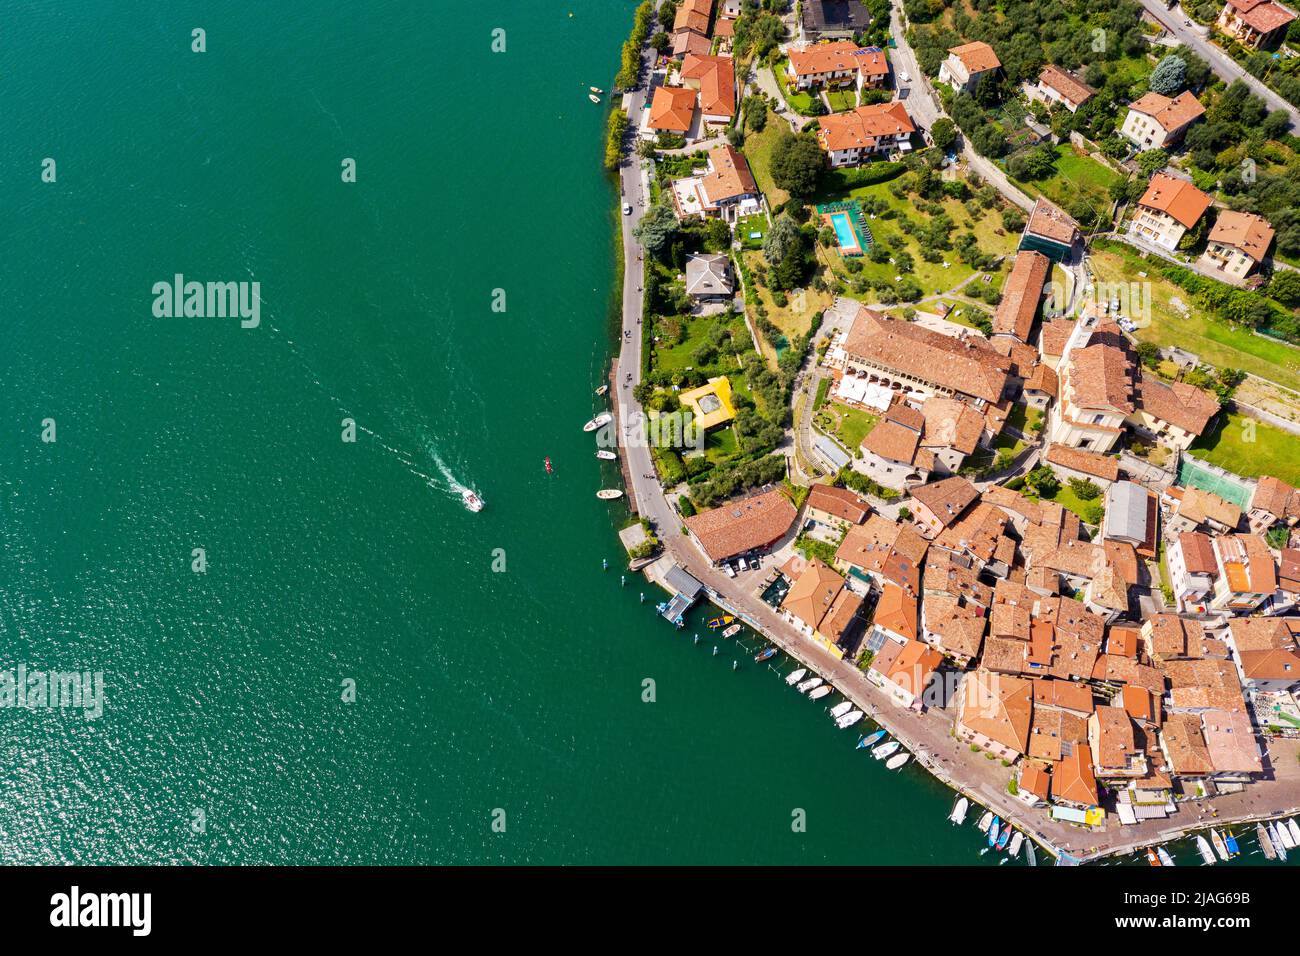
(753, 523)
(994, 713)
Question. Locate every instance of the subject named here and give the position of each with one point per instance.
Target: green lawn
(1195, 330)
(797, 100)
(756, 223)
(842, 100)
(721, 444)
(758, 150)
(1066, 498)
(1076, 174)
(849, 425)
(1250, 448)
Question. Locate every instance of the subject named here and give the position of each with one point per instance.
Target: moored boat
(595, 89)
(593, 97)
(893, 763)
(609, 494)
(984, 821)
(848, 720)
(1203, 847)
(1231, 842)
(993, 830)
(1016, 840)
(1294, 830)
(606, 455)
(1004, 837)
(886, 749)
(1278, 845)
(722, 621)
(958, 814)
(1029, 853)
(1166, 858)
(601, 390)
(604, 418)
(840, 709)
(795, 677)
(819, 692)
(731, 631)
(809, 684)
(1283, 835)
(765, 655)
(1221, 848)
(1265, 843)
(870, 739)
(1151, 857)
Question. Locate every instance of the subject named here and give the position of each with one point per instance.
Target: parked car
(627, 209)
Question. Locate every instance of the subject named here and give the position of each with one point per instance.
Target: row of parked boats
(1000, 835)
(1275, 839)
(846, 715)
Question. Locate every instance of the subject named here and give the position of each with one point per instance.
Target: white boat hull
(796, 676)
(893, 763)
(958, 815)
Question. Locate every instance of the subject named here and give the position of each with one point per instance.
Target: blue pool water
(844, 230)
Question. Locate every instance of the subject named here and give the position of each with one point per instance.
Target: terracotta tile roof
(672, 109)
(1072, 777)
(1198, 553)
(1042, 379)
(998, 707)
(881, 546)
(1065, 694)
(1199, 506)
(1288, 572)
(1175, 197)
(1108, 589)
(947, 499)
(1177, 403)
(1014, 503)
(843, 610)
(1006, 655)
(1035, 779)
(1054, 335)
(724, 29)
(1050, 222)
(1171, 114)
(740, 525)
(690, 41)
(981, 533)
(1010, 620)
(1076, 636)
(892, 441)
(1276, 497)
(1072, 89)
(904, 414)
(1115, 739)
(1124, 641)
(1276, 664)
(1100, 376)
(945, 574)
(914, 666)
(863, 127)
(951, 423)
(1022, 294)
(897, 611)
(840, 502)
(812, 593)
(693, 15)
(1082, 460)
(836, 57)
(976, 57)
(1137, 703)
(1113, 669)
(1245, 231)
(1172, 637)
(717, 78)
(967, 366)
(959, 629)
(1185, 744)
(1054, 732)
(1231, 743)
(1262, 16)
(1204, 683)
(730, 176)
(1123, 558)
(1247, 563)
(872, 62)
(1260, 634)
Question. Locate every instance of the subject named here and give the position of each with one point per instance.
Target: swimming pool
(844, 230)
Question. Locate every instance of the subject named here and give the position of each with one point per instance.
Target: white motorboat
(840, 709)
(471, 501)
(601, 390)
(893, 763)
(1166, 858)
(1295, 831)
(796, 676)
(1029, 853)
(984, 821)
(1283, 835)
(1278, 844)
(606, 455)
(958, 815)
(1220, 847)
(731, 631)
(595, 89)
(819, 692)
(593, 97)
(609, 494)
(810, 683)
(1016, 839)
(881, 751)
(1203, 847)
(849, 719)
(604, 418)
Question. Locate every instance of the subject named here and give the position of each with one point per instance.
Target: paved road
(1175, 21)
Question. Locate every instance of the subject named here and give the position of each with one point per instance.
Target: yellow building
(711, 402)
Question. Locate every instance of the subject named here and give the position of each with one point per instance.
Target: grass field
(1250, 448)
(797, 100)
(842, 100)
(758, 150)
(849, 425)
(795, 317)
(1077, 174)
(1193, 329)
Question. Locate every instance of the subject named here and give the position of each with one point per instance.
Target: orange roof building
(1167, 209)
(851, 137)
(746, 524)
(1155, 121)
(672, 110)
